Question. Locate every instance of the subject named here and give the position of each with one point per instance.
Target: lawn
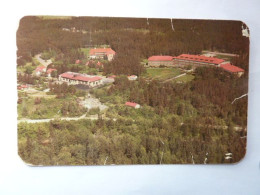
(184, 79)
(162, 73)
(22, 69)
(224, 57)
(85, 51)
(48, 108)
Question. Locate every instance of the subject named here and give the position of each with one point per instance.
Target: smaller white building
(132, 77)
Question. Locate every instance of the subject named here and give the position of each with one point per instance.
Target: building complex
(194, 61)
(73, 78)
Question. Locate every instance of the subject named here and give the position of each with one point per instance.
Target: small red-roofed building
(101, 53)
(77, 62)
(99, 64)
(132, 104)
(22, 87)
(49, 71)
(157, 61)
(112, 76)
(73, 78)
(232, 69)
(39, 70)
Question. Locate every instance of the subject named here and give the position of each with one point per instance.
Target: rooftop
(80, 77)
(199, 58)
(132, 104)
(50, 70)
(231, 68)
(160, 58)
(40, 68)
(102, 50)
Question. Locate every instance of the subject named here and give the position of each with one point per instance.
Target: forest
(133, 39)
(177, 124)
(194, 122)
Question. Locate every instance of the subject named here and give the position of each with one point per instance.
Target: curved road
(42, 61)
(93, 117)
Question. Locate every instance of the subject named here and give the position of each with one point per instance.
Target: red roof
(199, 58)
(40, 68)
(160, 58)
(22, 87)
(77, 61)
(132, 104)
(102, 50)
(231, 68)
(50, 70)
(79, 77)
(99, 63)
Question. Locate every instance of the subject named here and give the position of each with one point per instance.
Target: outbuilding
(132, 104)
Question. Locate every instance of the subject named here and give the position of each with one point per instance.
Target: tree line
(132, 39)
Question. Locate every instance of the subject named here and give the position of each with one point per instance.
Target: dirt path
(42, 61)
(92, 117)
(174, 78)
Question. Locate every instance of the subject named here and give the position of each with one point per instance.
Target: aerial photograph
(130, 91)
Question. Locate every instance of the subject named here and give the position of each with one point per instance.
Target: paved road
(93, 117)
(43, 62)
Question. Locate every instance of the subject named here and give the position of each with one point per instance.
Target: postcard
(115, 91)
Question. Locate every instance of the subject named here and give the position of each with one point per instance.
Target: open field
(85, 51)
(48, 108)
(185, 78)
(40, 94)
(162, 73)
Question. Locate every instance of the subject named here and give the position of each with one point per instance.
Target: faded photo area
(112, 91)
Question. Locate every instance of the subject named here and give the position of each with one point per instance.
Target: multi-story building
(73, 78)
(98, 53)
(232, 69)
(196, 60)
(156, 61)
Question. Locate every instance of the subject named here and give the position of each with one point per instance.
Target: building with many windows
(232, 69)
(196, 60)
(73, 78)
(102, 53)
(156, 61)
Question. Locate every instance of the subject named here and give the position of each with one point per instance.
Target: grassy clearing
(28, 65)
(162, 73)
(46, 108)
(41, 94)
(184, 79)
(224, 57)
(85, 51)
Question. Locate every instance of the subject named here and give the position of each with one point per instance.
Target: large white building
(73, 78)
(98, 53)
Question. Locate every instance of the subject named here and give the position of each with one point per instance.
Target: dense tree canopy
(185, 122)
(133, 39)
